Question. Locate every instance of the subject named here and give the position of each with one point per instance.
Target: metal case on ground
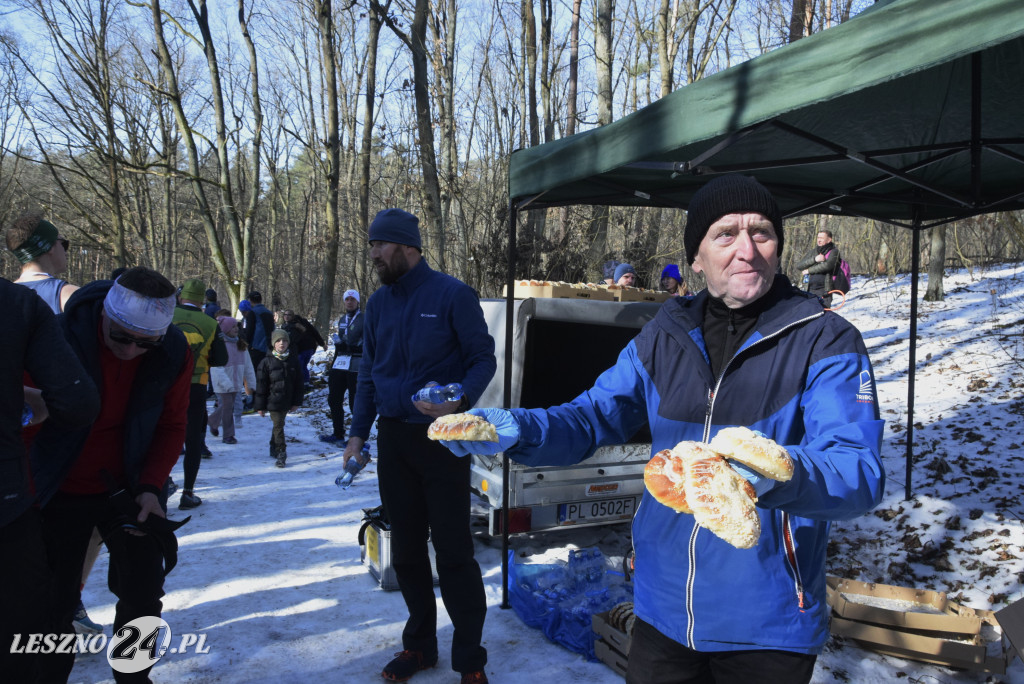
(376, 554)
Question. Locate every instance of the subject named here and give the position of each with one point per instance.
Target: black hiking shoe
(189, 500)
(406, 664)
(478, 677)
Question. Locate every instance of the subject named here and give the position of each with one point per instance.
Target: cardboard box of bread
(636, 294)
(924, 625)
(525, 289)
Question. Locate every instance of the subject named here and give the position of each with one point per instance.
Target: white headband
(137, 312)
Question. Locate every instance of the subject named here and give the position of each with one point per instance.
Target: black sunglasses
(126, 339)
(64, 243)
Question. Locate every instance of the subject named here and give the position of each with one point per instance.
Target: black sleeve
(218, 351)
(69, 393)
(315, 333)
(259, 397)
(268, 325)
(297, 388)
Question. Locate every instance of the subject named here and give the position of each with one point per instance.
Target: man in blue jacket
(423, 326)
(262, 328)
(750, 350)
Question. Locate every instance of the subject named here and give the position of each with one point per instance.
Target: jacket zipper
(787, 535)
(787, 540)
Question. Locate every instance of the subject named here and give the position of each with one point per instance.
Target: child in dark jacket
(278, 390)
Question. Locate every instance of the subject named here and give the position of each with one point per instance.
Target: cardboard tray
(951, 650)
(559, 291)
(635, 294)
(900, 607)
(924, 625)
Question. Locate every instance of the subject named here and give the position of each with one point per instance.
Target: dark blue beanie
(730, 194)
(395, 225)
(623, 269)
(672, 271)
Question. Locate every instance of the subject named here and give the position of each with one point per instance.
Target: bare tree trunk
(195, 174)
(444, 23)
(325, 19)
(529, 243)
(377, 11)
(255, 180)
(572, 85)
(936, 265)
(798, 20)
(598, 232)
(430, 189)
(225, 185)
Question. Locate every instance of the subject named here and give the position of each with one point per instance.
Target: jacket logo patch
(423, 315)
(865, 394)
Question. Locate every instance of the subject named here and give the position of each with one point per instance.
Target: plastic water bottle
(352, 469)
(586, 568)
(436, 394)
(27, 415)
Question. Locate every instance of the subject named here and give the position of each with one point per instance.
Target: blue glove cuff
(760, 483)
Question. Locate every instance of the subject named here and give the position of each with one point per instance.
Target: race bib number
(342, 362)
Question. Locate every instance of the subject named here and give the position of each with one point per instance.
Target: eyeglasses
(64, 243)
(126, 339)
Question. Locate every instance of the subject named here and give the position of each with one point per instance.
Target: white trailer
(560, 346)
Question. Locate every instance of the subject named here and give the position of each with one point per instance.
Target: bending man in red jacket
(110, 475)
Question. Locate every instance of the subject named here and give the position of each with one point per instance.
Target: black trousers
(195, 434)
(338, 381)
(425, 490)
(135, 576)
(656, 659)
(25, 583)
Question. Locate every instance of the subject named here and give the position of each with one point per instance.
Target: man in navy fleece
(423, 326)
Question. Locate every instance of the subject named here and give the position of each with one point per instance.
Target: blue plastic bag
(559, 599)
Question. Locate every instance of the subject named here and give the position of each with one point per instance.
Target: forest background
(249, 143)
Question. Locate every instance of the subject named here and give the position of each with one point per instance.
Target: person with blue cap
(749, 350)
(625, 275)
(423, 327)
(672, 281)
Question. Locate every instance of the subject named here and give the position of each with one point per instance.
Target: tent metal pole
(915, 271)
(506, 399)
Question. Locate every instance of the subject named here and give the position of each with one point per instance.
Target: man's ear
(696, 265)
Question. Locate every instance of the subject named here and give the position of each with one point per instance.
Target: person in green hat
(43, 253)
(207, 343)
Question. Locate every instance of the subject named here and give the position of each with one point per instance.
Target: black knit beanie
(731, 194)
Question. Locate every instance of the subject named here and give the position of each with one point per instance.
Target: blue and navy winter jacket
(804, 379)
(427, 326)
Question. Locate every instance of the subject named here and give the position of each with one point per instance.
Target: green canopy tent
(910, 113)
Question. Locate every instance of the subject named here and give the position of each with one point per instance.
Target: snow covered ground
(269, 567)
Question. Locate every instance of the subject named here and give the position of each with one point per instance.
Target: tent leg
(513, 214)
(915, 272)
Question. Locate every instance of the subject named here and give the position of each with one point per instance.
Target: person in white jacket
(230, 380)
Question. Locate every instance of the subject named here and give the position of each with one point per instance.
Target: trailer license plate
(592, 511)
